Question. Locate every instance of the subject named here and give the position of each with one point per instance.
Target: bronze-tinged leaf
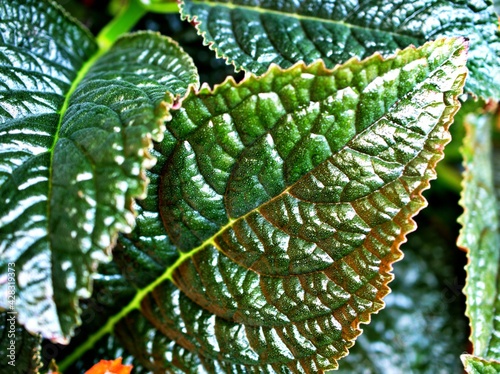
(286, 198)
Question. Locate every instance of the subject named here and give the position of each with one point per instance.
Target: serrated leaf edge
(395, 252)
(193, 19)
(462, 219)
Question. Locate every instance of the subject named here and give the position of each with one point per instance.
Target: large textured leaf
(253, 34)
(480, 236)
(276, 209)
(75, 128)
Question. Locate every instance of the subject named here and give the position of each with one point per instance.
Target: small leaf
(283, 201)
(75, 127)
(20, 349)
(476, 365)
(480, 236)
(252, 35)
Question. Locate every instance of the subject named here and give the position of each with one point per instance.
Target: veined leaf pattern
(75, 127)
(284, 199)
(253, 34)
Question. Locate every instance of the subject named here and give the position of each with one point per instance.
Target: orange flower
(110, 367)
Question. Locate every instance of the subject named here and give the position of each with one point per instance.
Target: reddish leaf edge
(405, 215)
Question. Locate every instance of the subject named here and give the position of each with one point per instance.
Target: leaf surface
(278, 206)
(253, 34)
(75, 127)
(20, 349)
(480, 235)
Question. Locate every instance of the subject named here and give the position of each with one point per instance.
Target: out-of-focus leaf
(110, 292)
(254, 34)
(480, 236)
(20, 349)
(476, 365)
(75, 127)
(277, 208)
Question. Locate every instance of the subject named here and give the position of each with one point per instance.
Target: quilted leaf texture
(277, 207)
(76, 124)
(253, 34)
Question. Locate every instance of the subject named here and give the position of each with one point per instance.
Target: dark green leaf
(75, 127)
(111, 291)
(254, 34)
(284, 200)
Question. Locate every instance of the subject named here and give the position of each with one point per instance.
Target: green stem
(163, 7)
(449, 176)
(135, 303)
(122, 23)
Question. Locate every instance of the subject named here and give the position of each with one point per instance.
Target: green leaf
(476, 365)
(252, 35)
(75, 127)
(20, 349)
(480, 235)
(277, 208)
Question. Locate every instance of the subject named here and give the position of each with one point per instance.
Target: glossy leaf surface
(254, 34)
(278, 205)
(480, 235)
(76, 125)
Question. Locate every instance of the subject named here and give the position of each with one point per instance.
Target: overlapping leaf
(75, 128)
(253, 34)
(20, 349)
(480, 236)
(284, 200)
(476, 365)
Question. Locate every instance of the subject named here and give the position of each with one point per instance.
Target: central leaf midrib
(302, 17)
(141, 293)
(82, 73)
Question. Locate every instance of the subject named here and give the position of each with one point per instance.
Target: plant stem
(122, 23)
(449, 177)
(162, 7)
